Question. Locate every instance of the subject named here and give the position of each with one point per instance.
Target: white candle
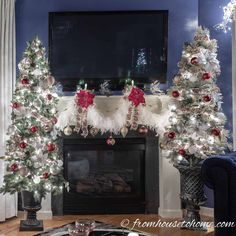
(85, 87)
(132, 83)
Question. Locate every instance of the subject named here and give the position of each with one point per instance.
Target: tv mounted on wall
(97, 46)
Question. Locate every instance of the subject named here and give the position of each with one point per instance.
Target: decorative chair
(219, 174)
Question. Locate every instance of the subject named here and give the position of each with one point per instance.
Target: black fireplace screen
(106, 172)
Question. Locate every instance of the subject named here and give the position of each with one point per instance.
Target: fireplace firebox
(104, 179)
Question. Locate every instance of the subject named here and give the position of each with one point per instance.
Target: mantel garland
(82, 115)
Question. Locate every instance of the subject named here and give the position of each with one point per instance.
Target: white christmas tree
(196, 127)
(32, 155)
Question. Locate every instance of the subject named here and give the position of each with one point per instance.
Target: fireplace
(104, 179)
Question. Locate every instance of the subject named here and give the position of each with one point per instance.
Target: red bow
(84, 98)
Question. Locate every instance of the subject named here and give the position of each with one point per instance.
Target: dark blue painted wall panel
(32, 19)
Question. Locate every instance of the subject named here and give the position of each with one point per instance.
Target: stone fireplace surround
(169, 183)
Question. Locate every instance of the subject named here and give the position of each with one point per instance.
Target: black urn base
(25, 227)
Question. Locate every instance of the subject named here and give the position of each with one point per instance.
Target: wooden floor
(10, 228)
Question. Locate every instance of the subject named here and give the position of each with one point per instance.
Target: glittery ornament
(207, 98)
(206, 76)
(171, 135)
(93, 131)
(143, 130)
(54, 120)
(124, 131)
(55, 169)
(34, 129)
(175, 94)
(182, 152)
(47, 128)
(68, 131)
(110, 141)
(51, 147)
(215, 132)
(14, 167)
(23, 171)
(37, 103)
(25, 81)
(46, 175)
(22, 145)
(194, 61)
(15, 105)
(50, 80)
(49, 97)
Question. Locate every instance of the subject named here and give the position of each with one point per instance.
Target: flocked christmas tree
(32, 156)
(196, 127)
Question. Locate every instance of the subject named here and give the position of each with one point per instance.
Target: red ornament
(215, 132)
(14, 167)
(207, 98)
(136, 96)
(23, 145)
(182, 152)
(143, 129)
(111, 141)
(51, 147)
(84, 98)
(15, 105)
(46, 175)
(206, 76)
(171, 135)
(54, 120)
(194, 61)
(49, 96)
(34, 129)
(25, 81)
(175, 94)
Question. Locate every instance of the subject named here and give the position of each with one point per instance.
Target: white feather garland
(111, 116)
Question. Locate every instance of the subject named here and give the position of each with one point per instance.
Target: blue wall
(32, 19)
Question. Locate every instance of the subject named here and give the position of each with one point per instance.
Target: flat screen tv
(98, 46)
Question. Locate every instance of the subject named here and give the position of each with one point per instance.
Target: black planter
(192, 196)
(31, 205)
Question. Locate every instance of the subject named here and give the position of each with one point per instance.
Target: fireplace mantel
(169, 182)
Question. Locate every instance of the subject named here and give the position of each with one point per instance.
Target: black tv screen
(97, 46)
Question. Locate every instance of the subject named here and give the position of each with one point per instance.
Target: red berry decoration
(51, 147)
(15, 105)
(14, 167)
(111, 141)
(194, 61)
(49, 96)
(46, 175)
(175, 94)
(206, 76)
(34, 129)
(182, 152)
(215, 132)
(23, 145)
(25, 81)
(171, 135)
(207, 98)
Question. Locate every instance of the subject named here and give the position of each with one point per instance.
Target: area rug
(101, 229)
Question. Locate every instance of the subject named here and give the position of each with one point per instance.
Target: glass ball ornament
(68, 131)
(23, 171)
(143, 130)
(110, 141)
(93, 131)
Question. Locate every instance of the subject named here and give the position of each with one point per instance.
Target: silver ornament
(23, 171)
(68, 131)
(55, 169)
